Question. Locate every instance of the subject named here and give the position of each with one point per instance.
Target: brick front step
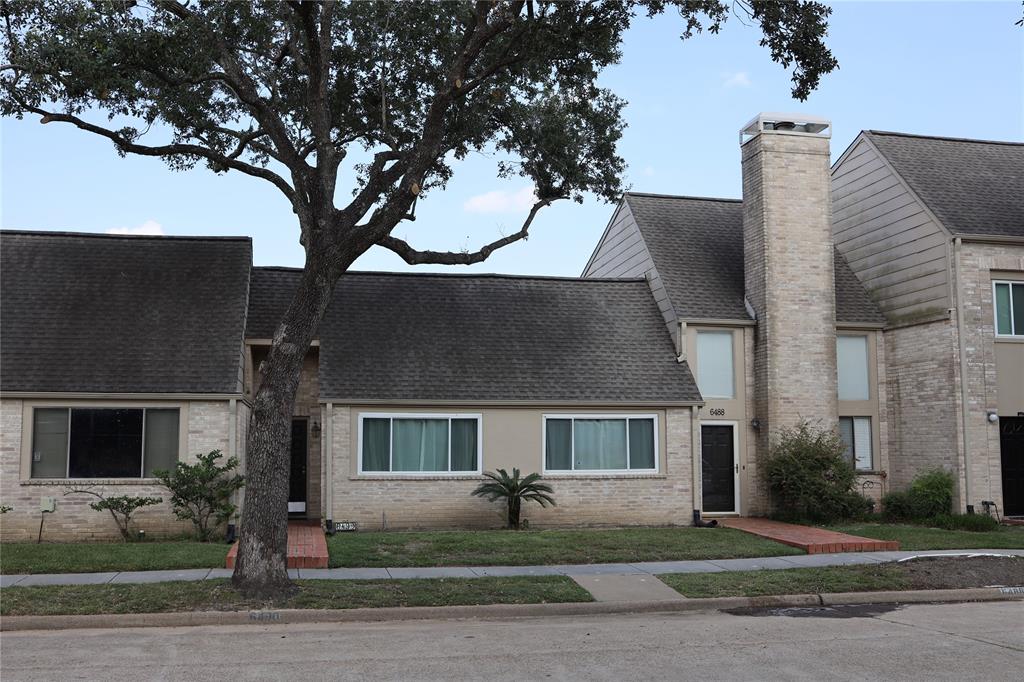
(307, 547)
(811, 540)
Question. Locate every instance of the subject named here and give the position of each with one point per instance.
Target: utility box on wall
(48, 504)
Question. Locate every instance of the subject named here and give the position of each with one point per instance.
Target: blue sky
(953, 69)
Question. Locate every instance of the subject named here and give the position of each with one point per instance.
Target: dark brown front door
(297, 480)
(718, 468)
(1011, 447)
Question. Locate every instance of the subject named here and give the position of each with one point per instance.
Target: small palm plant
(514, 490)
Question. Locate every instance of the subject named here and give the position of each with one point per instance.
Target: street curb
(494, 611)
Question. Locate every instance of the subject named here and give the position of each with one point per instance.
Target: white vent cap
(788, 124)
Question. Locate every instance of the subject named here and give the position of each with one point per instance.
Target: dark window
(103, 442)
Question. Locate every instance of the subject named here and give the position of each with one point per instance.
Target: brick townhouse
(881, 296)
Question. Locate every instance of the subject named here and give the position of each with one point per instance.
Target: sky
(950, 68)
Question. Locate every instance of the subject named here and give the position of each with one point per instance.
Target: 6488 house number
(716, 412)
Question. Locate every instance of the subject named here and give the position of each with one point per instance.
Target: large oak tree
(295, 93)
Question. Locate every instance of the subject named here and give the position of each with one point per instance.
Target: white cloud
(740, 79)
(150, 227)
(500, 201)
(649, 171)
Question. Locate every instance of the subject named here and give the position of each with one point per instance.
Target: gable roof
(972, 186)
(697, 246)
(489, 338)
(122, 314)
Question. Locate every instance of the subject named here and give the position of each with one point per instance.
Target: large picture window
(855, 433)
(600, 443)
(1009, 308)
(419, 444)
(103, 442)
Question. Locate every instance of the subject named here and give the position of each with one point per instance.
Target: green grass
(524, 548)
(787, 581)
(109, 556)
(913, 537)
(218, 595)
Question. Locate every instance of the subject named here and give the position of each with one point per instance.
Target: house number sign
(717, 412)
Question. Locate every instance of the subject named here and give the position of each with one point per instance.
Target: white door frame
(735, 463)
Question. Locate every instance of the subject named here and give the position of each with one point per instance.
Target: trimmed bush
(976, 523)
(201, 492)
(897, 506)
(931, 493)
(810, 479)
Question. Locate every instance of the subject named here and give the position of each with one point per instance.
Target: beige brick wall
(788, 263)
(977, 264)
(73, 520)
(662, 499)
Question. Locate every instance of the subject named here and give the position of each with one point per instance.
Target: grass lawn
(913, 537)
(218, 595)
(525, 548)
(787, 581)
(109, 556)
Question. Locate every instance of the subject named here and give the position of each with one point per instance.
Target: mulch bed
(937, 573)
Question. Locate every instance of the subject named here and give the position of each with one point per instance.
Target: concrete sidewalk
(640, 568)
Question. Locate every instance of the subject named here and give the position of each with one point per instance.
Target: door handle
(737, 468)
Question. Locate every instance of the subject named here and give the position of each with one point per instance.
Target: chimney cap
(786, 124)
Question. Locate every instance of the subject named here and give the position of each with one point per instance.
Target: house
(856, 295)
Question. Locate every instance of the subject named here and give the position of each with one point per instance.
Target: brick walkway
(811, 540)
(307, 546)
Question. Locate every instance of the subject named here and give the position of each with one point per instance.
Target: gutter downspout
(961, 348)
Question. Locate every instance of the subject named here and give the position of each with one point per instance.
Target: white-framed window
(855, 433)
(1008, 301)
(420, 444)
(715, 374)
(600, 443)
(103, 442)
(852, 365)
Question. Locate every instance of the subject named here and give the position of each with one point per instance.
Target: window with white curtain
(852, 364)
(600, 443)
(105, 442)
(714, 364)
(855, 432)
(419, 443)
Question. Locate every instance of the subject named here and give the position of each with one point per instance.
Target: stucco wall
(512, 437)
(204, 427)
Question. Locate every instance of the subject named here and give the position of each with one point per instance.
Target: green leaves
(514, 490)
(201, 492)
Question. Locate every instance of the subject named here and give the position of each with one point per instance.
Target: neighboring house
(122, 354)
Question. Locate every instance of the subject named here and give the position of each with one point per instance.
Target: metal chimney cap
(786, 124)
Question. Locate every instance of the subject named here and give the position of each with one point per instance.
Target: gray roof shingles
(117, 314)
(481, 338)
(972, 186)
(697, 247)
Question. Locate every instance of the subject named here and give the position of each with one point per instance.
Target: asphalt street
(947, 641)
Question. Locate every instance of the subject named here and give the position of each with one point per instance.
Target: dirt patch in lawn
(936, 573)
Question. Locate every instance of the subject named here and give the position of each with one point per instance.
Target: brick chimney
(788, 269)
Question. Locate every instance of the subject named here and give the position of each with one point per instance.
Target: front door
(1011, 447)
(718, 467)
(297, 479)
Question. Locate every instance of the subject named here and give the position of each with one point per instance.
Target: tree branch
(415, 257)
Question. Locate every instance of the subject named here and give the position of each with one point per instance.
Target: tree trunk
(261, 566)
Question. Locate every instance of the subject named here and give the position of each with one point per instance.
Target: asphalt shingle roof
(697, 247)
(119, 314)
(270, 292)
(972, 186)
(472, 338)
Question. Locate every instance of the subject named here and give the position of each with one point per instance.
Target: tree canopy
(287, 91)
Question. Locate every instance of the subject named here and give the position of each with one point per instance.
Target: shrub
(514, 491)
(810, 479)
(121, 508)
(931, 493)
(897, 506)
(201, 492)
(976, 523)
